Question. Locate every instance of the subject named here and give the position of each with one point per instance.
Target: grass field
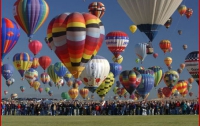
(164, 120)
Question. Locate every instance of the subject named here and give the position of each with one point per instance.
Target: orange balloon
(181, 86)
(168, 61)
(190, 80)
(84, 92)
(165, 45)
(73, 93)
(182, 65)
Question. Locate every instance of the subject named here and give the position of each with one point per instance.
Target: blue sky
(113, 19)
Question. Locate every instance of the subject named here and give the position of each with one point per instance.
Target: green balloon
(65, 95)
(137, 60)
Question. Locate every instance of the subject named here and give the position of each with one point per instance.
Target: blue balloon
(115, 68)
(7, 71)
(60, 69)
(146, 84)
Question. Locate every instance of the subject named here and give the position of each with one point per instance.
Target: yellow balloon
(133, 28)
(168, 61)
(36, 85)
(118, 60)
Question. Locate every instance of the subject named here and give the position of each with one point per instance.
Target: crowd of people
(71, 108)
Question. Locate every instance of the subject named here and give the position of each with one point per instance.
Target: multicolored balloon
(97, 8)
(168, 23)
(188, 13)
(10, 35)
(81, 42)
(171, 77)
(31, 75)
(45, 78)
(116, 42)
(60, 69)
(10, 81)
(73, 93)
(115, 68)
(130, 80)
(118, 60)
(158, 74)
(192, 65)
(30, 14)
(22, 88)
(35, 63)
(52, 74)
(22, 62)
(182, 9)
(84, 92)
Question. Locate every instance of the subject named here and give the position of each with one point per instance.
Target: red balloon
(155, 55)
(44, 61)
(35, 46)
(40, 89)
(167, 91)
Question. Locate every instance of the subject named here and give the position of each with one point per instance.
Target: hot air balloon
(47, 42)
(190, 93)
(50, 84)
(50, 93)
(146, 71)
(179, 32)
(170, 49)
(182, 65)
(155, 55)
(14, 95)
(181, 86)
(31, 75)
(133, 28)
(84, 92)
(45, 78)
(10, 34)
(167, 91)
(171, 78)
(67, 76)
(168, 23)
(182, 9)
(118, 84)
(188, 13)
(44, 61)
(165, 45)
(79, 82)
(52, 74)
(149, 48)
(81, 42)
(10, 81)
(22, 62)
(146, 14)
(146, 84)
(73, 93)
(121, 92)
(138, 68)
(189, 87)
(158, 75)
(69, 83)
(40, 89)
(22, 88)
(35, 63)
(192, 65)
(184, 47)
(106, 85)
(137, 60)
(184, 93)
(115, 90)
(97, 8)
(118, 60)
(130, 80)
(65, 95)
(140, 51)
(5, 92)
(47, 89)
(36, 85)
(115, 68)
(60, 69)
(30, 14)
(160, 93)
(96, 70)
(168, 61)
(116, 42)
(7, 71)
(190, 80)
(179, 70)
(35, 46)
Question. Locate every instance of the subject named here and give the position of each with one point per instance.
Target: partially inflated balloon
(10, 34)
(96, 70)
(133, 28)
(30, 14)
(192, 65)
(97, 9)
(7, 71)
(22, 62)
(130, 80)
(182, 9)
(118, 60)
(116, 42)
(84, 34)
(171, 78)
